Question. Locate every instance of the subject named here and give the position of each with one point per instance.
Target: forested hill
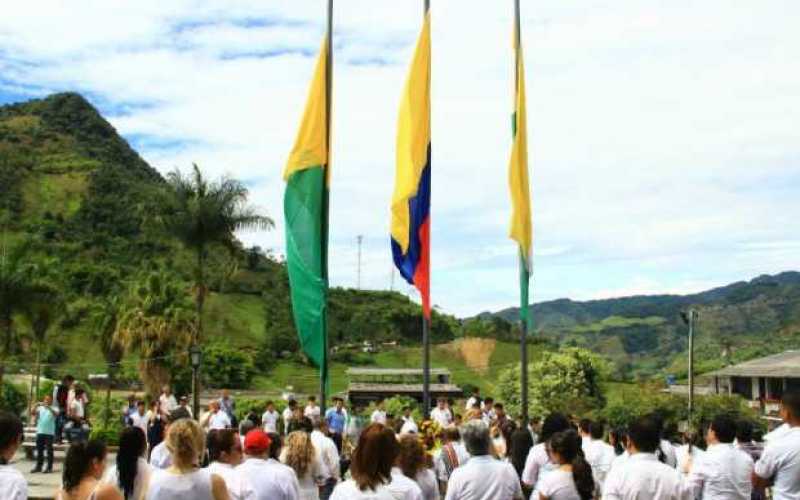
(85, 207)
(646, 335)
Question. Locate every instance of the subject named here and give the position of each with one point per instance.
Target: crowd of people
(479, 453)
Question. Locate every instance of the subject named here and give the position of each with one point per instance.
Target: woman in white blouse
(371, 466)
(299, 454)
(131, 471)
(416, 465)
(573, 479)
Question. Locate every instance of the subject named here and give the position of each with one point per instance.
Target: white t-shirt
(219, 420)
(443, 417)
(404, 488)
(327, 454)
(559, 485)
(143, 473)
(642, 477)
(781, 460)
(484, 478)
(287, 416)
(312, 413)
(194, 485)
(238, 486)
(379, 417)
(722, 473)
(348, 490)
(12, 483)
(426, 480)
(76, 408)
(160, 457)
(140, 421)
(167, 403)
(270, 479)
(269, 420)
(537, 466)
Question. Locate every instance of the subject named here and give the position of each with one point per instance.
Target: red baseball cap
(256, 441)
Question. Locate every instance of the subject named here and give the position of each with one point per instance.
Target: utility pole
(689, 318)
(359, 238)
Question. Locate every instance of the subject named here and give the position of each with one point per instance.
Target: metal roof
(401, 388)
(785, 364)
(395, 371)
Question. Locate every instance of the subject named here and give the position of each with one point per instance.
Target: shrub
(12, 398)
(230, 366)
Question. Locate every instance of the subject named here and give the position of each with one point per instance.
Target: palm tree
(156, 321)
(43, 308)
(106, 319)
(15, 293)
(202, 214)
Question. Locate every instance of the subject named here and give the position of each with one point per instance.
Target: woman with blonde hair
(299, 454)
(184, 480)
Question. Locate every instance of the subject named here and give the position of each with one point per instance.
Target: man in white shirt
(599, 454)
(216, 418)
(224, 454)
(780, 462)
(269, 420)
(483, 477)
(270, 479)
(166, 402)
(409, 425)
(379, 415)
(723, 472)
(642, 476)
(288, 415)
(441, 414)
(139, 418)
(12, 483)
(312, 411)
(328, 457)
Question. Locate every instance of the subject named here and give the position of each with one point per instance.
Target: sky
(663, 136)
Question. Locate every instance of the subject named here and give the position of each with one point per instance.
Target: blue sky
(663, 135)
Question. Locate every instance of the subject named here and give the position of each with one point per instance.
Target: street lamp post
(195, 357)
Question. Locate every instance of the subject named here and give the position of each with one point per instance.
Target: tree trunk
(107, 413)
(38, 369)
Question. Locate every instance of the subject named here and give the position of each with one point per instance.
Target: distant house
(762, 381)
(373, 384)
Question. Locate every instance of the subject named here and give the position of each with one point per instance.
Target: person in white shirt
(312, 410)
(584, 431)
(184, 480)
(573, 479)
(166, 402)
(269, 420)
(379, 415)
(328, 457)
(225, 454)
(689, 452)
(413, 465)
(538, 463)
(299, 454)
(482, 477)
(666, 452)
(270, 479)
(441, 414)
(641, 476)
(780, 462)
(159, 455)
(402, 487)
(131, 473)
(450, 456)
(474, 401)
(139, 418)
(215, 418)
(409, 425)
(288, 415)
(723, 472)
(12, 483)
(599, 454)
(371, 466)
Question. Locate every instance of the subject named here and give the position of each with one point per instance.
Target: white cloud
(663, 137)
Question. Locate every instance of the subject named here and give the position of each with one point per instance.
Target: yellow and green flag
(521, 228)
(305, 210)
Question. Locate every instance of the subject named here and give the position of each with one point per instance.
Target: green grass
(57, 194)
(618, 322)
(234, 316)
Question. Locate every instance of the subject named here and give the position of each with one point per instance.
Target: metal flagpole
(523, 336)
(426, 325)
(323, 378)
(692, 316)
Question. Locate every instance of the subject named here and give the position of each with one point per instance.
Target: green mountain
(645, 335)
(87, 207)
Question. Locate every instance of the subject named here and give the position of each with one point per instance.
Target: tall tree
(41, 311)
(202, 214)
(106, 321)
(156, 321)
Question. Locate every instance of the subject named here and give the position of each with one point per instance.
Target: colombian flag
(521, 227)
(305, 210)
(411, 201)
